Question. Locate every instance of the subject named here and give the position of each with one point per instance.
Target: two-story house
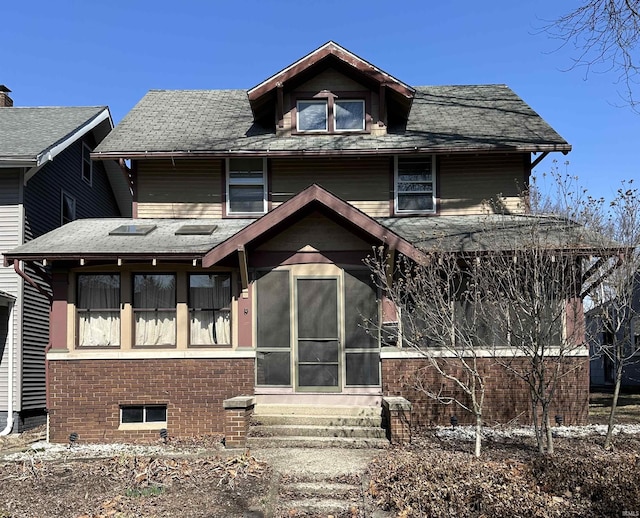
(47, 179)
(241, 272)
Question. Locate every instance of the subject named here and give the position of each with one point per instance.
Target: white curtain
(210, 298)
(98, 310)
(155, 302)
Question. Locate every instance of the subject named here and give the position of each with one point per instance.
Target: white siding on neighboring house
(10, 237)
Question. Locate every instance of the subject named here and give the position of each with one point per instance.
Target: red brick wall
(506, 399)
(86, 395)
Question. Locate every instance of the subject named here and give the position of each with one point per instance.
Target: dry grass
(628, 411)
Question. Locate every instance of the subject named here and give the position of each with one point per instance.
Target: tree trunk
(548, 429)
(478, 433)
(536, 425)
(614, 405)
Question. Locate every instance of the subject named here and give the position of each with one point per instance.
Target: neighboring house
(601, 338)
(47, 179)
(242, 271)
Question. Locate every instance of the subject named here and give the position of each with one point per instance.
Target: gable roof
(328, 55)
(33, 135)
(316, 197)
(330, 50)
(219, 123)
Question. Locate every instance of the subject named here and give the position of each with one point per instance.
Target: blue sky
(97, 52)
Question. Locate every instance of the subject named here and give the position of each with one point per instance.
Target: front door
(317, 335)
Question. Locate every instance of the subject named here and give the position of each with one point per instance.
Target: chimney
(5, 100)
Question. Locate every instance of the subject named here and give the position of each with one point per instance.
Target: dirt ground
(434, 476)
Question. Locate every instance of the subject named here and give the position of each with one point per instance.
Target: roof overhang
(378, 151)
(329, 54)
(312, 196)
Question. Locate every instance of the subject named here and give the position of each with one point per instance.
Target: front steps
(309, 426)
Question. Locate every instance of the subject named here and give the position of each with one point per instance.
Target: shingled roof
(220, 123)
(30, 133)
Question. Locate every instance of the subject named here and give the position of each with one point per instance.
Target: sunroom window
(154, 306)
(210, 309)
(246, 186)
(98, 310)
(415, 184)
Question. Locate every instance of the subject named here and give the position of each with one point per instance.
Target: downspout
(10, 334)
(21, 273)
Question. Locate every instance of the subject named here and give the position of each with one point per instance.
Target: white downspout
(10, 333)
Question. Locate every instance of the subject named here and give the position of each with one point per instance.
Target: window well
(196, 230)
(132, 230)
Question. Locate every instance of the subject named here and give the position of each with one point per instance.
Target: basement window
(143, 416)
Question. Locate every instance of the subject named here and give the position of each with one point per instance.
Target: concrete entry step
(317, 420)
(317, 410)
(287, 430)
(297, 441)
(316, 426)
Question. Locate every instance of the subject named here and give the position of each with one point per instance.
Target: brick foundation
(506, 399)
(85, 395)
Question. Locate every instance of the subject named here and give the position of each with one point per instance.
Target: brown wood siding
(315, 232)
(467, 183)
(180, 188)
(363, 182)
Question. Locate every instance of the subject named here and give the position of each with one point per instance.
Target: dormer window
(349, 115)
(331, 113)
(313, 116)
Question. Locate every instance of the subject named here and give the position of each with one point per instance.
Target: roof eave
(141, 155)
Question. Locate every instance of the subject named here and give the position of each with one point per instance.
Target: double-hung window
(329, 115)
(246, 186)
(68, 208)
(87, 164)
(415, 185)
(210, 309)
(154, 306)
(98, 308)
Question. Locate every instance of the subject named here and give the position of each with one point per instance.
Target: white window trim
(364, 115)
(396, 208)
(75, 207)
(86, 149)
(326, 115)
(144, 424)
(237, 181)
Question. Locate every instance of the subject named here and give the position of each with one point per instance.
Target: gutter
(141, 155)
(10, 334)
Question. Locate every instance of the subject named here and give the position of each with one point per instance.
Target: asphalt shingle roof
(464, 118)
(28, 132)
(91, 238)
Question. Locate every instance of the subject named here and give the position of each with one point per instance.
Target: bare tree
(437, 301)
(612, 275)
(532, 293)
(605, 34)
(617, 306)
